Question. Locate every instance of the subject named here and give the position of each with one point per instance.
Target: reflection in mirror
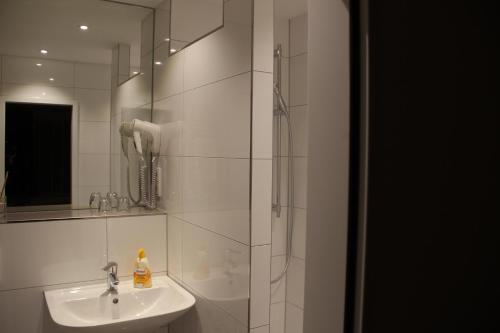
(92, 57)
(191, 20)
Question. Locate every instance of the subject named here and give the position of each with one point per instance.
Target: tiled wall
(287, 301)
(86, 84)
(38, 256)
(202, 101)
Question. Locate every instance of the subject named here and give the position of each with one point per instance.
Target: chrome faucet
(112, 269)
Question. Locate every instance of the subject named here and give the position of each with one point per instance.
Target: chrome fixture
(112, 270)
(282, 110)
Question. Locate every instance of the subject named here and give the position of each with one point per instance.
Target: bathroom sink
(93, 309)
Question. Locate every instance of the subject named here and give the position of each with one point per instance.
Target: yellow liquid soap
(142, 272)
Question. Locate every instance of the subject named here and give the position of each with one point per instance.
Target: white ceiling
(286, 9)
(26, 26)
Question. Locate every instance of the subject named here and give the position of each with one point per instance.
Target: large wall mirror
(72, 71)
(65, 67)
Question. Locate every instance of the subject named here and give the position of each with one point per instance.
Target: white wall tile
(36, 254)
(300, 130)
(128, 234)
(192, 19)
(294, 319)
(147, 27)
(278, 289)
(168, 113)
(217, 268)
(262, 329)
(207, 318)
(295, 282)
(261, 201)
(298, 35)
(24, 71)
(300, 176)
(298, 80)
(299, 233)
(262, 115)
(278, 232)
(174, 244)
(93, 76)
(218, 126)
(278, 318)
(224, 53)
(216, 195)
(115, 175)
(169, 76)
(93, 170)
(95, 105)
(134, 93)
(260, 295)
(263, 27)
(42, 93)
(94, 137)
(162, 23)
(115, 144)
(281, 35)
(172, 183)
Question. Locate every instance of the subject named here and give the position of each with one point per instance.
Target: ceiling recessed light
(158, 62)
(51, 79)
(167, 39)
(44, 51)
(43, 94)
(173, 50)
(84, 27)
(135, 73)
(38, 65)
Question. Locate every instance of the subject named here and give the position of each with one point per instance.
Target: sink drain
(115, 300)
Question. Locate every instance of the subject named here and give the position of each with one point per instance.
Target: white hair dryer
(143, 132)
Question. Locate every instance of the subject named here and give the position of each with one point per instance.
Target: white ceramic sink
(92, 309)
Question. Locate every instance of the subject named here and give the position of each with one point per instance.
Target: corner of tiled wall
(262, 127)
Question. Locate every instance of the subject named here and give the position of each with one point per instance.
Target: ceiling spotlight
(43, 51)
(84, 27)
(173, 50)
(38, 65)
(51, 79)
(158, 62)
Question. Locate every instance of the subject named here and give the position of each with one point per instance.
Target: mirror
(192, 20)
(69, 70)
(94, 59)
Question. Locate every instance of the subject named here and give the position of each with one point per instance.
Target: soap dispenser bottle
(142, 272)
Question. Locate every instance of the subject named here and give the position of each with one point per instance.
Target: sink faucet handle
(113, 266)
